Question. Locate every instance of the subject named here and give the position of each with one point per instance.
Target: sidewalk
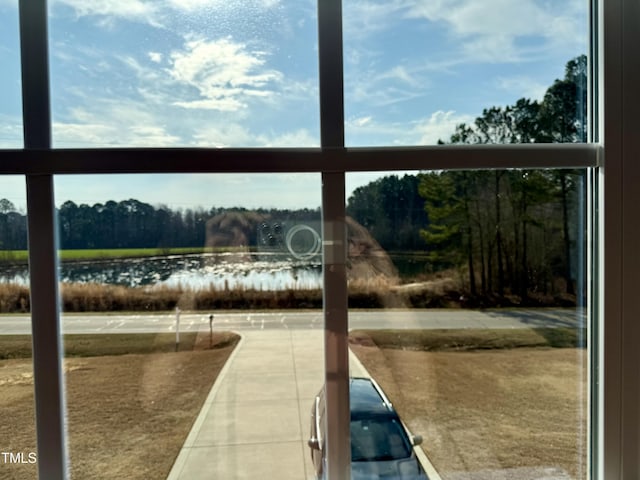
(255, 422)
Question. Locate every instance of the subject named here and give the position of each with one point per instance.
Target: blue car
(381, 448)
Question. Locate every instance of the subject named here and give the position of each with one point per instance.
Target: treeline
(129, 224)
(135, 224)
(392, 209)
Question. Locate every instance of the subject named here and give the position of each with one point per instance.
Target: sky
(244, 73)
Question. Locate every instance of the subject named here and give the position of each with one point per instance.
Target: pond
(258, 271)
(195, 271)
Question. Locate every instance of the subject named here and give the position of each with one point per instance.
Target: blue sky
(231, 73)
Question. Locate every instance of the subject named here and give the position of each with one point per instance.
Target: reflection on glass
(416, 71)
(479, 333)
(18, 455)
(154, 297)
(10, 91)
(203, 73)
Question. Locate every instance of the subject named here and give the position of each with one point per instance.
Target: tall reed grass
(373, 292)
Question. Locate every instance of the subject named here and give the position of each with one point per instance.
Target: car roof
(366, 399)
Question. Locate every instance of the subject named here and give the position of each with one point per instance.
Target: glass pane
(199, 73)
(467, 309)
(10, 80)
(416, 71)
(161, 293)
(18, 456)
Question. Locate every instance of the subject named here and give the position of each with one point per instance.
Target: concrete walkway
(255, 422)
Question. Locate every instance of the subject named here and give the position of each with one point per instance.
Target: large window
(217, 150)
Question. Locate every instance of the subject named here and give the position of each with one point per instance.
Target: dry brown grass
(368, 291)
(14, 298)
(128, 415)
(481, 411)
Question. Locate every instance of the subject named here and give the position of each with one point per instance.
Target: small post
(177, 328)
(211, 330)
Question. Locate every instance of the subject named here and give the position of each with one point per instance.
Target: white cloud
(243, 190)
(137, 102)
(191, 5)
(137, 10)
(485, 31)
(225, 103)
(489, 29)
(523, 86)
(159, 13)
(224, 73)
(155, 57)
(194, 5)
(11, 135)
(361, 121)
(439, 126)
(493, 48)
(298, 138)
(380, 89)
(112, 123)
(400, 73)
(363, 18)
(490, 17)
(145, 74)
(234, 135)
(380, 96)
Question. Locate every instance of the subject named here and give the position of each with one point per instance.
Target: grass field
(484, 401)
(98, 254)
(486, 413)
(468, 339)
(130, 404)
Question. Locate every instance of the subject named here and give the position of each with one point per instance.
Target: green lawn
(96, 254)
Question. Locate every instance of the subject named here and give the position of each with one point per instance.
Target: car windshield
(378, 439)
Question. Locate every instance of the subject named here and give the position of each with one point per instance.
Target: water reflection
(195, 271)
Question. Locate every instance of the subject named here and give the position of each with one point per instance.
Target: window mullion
(45, 316)
(611, 272)
(338, 453)
(192, 160)
(334, 234)
(331, 74)
(621, 437)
